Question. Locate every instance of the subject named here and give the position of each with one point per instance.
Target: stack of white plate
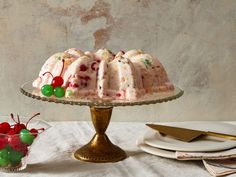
(154, 143)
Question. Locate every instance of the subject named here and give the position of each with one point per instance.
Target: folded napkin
(220, 167)
(226, 154)
(217, 163)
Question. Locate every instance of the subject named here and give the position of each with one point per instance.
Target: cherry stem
(42, 129)
(18, 118)
(12, 117)
(63, 65)
(31, 119)
(48, 73)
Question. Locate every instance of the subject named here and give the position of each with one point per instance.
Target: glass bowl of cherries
(16, 139)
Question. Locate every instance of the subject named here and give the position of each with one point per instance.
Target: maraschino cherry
(56, 85)
(18, 126)
(4, 127)
(35, 132)
(15, 140)
(57, 81)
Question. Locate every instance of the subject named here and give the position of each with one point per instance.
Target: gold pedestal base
(100, 149)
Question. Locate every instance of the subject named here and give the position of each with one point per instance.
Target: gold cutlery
(187, 135)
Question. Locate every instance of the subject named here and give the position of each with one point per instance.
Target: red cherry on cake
(93, 66)
(4, 127)
(83, 67)
(73, 85)
(57, 81)
(118, 95)
(86, 78)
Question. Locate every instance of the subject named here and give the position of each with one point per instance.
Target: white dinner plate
(207, 143)
(155, 151)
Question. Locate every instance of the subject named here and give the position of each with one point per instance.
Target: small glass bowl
(14, 149)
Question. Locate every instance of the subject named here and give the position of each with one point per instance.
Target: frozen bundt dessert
(126, 75)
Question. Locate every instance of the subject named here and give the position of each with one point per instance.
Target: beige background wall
(194, 39)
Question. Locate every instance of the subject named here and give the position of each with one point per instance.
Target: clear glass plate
(159, 97)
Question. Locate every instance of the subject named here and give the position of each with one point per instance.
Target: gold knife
(187, 135)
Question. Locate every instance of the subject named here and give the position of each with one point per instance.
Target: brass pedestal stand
(100, 148)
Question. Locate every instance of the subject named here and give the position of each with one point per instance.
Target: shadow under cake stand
(100, 149)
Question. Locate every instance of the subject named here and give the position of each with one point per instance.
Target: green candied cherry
(4, 158)
(4, 153)
(4, 162)
(59, 92)
(15, 157)
(26, 137)
(47, 90)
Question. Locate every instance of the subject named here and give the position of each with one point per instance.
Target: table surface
(52, 154)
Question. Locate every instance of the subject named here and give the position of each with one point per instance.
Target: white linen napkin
(217, 163)
(226, 154)
(220, 167)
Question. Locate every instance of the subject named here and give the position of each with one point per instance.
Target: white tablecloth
(51, 155)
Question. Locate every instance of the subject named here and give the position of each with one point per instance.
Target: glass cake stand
(100, 149)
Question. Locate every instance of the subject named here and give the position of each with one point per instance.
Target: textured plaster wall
(194, 39)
